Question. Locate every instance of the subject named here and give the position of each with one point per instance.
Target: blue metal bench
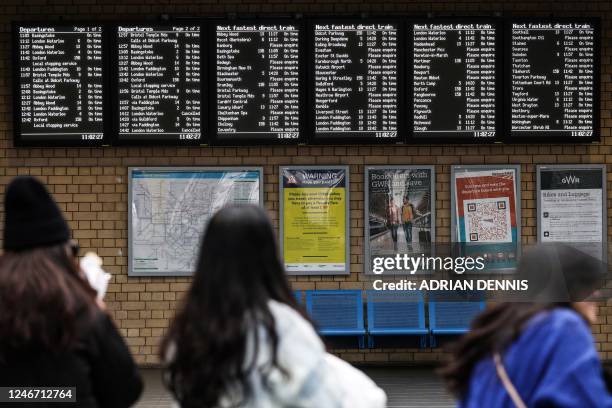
(337, 312)
(396, 313)
(450, 314)
(298, 296)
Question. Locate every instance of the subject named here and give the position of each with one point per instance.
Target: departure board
(355, 81)
(159, 84)
(59, 80)
(552, 80)
(455, 80)
(258, 73)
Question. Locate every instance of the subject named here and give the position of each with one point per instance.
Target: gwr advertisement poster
(314, 220)
(399, 212)
(571, 207)
(486, 215)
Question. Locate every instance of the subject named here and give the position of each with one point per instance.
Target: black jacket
(99, 366)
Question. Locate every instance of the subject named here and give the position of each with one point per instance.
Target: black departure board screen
(258, 75)
(159, 84)
(355, 81)
(59, 85)
(552, 80)
(455, 80)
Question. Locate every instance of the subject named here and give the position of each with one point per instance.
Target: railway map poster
(314, 220)
(571, 206)
(400, 213)
(486, 214)
(169, 210)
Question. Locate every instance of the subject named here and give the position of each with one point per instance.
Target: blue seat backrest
(335, 309)
(395, 310)
(455, 315)
(453, 310)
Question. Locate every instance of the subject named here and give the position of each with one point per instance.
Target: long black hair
(238, 273)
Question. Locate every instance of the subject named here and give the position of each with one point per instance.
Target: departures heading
(298, 81)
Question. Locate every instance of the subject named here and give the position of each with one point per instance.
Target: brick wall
(91, 186)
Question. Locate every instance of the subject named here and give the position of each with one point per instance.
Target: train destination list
(356, 80)
(61, 83)
(454, 91)
(258, 81)
(552, 80)
(159, 83)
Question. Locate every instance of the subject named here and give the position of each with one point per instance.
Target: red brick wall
(91, 184)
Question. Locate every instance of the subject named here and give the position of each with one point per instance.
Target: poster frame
(347, 240)
(366, 206)
(185, 169)
(455, 169)
(604, 196)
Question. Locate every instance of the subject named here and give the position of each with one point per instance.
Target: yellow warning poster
(314, 220)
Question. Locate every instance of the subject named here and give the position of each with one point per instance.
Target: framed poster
(486, 214)
(169, 208)
(400, 207)
(314, 219)
(572, 206)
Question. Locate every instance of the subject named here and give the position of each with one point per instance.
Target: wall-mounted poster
(572, 206)
(314, 219)
(399, 213)
(169, 208)
(485, 208)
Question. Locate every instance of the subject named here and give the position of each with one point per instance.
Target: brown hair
(492, 331)
(43, 297)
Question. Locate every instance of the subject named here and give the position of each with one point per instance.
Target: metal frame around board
(186, 170)
(366, 206)
(604, 196)
(347, 240)
(517, 196)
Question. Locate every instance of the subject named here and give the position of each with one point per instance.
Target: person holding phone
(53, 331)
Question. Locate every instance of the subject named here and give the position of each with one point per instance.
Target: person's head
(559, 277)
(406, 200)
(238, 272)
(42, 293)
(391, 201)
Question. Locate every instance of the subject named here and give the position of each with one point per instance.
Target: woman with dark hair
(539, 353)
(53, 332)
(240, 338)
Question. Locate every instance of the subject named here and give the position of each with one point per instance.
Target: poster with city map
(169, 208)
